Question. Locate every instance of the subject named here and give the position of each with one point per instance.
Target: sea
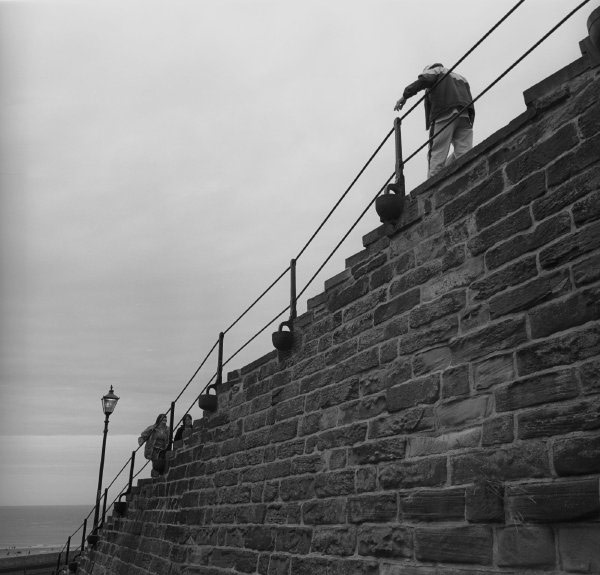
(41, 526)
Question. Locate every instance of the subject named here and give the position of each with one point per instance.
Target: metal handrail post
(293, 313)
(131, 472)
(104, 506)
(220, 364)
(172, 422)
(68, 549)
(400, 186)
(83, 535)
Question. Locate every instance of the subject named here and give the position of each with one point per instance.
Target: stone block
(415, 278)
(283, 431)
(428, 472)
(307, 464)
(437, 332)
(366, 479)
(295, 540)
(365, 408)
(384, 541)
(451, 189)
(492, 235)
(354, 566)
(484, 501)
(536, 390)
(342, 437)
(558, 420)
(332, 395)
(561, 315)
(372, 508)
(561, 350)
(472, 544)
(543, 234)
(334, 540)
(433, 505)
(341, 297)
(574, 163)
(587, 210)
(431, 360)
(260, 538)
(587, 271)
(334, 483)
(279, 565)
(445, 305)
(495, 337)
(577, 455)
(460, 277)
(516, 197)
(351, 329)
(462, 412)
(309, 566)
(397, 306)
(498, 430)
(377, 451)
(409, 421)
(526, 546)
(526, 460)
(456, 382)
(514, 274)
(493, 371)
(296, 488)
(324, 511)
(579, 549)
(530, 294)
(421, 445)
(414, 392)
(465, 204)
(571, 247)
(555, 502)
(590, 376)
(355, 365)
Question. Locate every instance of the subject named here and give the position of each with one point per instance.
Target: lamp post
(109, 402)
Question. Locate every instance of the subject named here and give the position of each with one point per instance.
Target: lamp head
(109, 402)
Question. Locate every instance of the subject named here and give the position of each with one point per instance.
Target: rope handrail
(352, 227)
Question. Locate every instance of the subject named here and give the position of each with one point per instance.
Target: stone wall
(441, 413)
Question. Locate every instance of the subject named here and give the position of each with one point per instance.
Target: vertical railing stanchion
(58, 562)
(389, 207)
(172, 422)
(400, 186)
(293, 313)
(68, 550)
(131, 472)
(83, 535)
(220, 361)
(104, 506)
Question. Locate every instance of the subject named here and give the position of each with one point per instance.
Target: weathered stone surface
(498, 430)
(554, 502)
(324, 511)
(432, 360)
(365, 408)
(366, 479)
(417, 419)
(495, 337)
(574, 163)
(372, 508)
(571, 247)
(420, 445)
(334, 483)
(493, 371)
(296, 488)
(558, 420)
(563, 350)
(530, 294)
(384, 541)
(509, 226)
(416, 277)
(414, 392)
(587, 271)
(455, 545)
(340, 298)
(513, 248)
(514, 274)
(536, 390)
(469, 201)
(334, 540)
(293, 539)
(462, 412)
(438, 332)
(579, 549)
(569, 312)
(590, 376)
(587, 209)
(429, 472)
(520, 195)
(527, 460)
(433, 505)
(450, 303)
(397, 306)
(332, 395)
(577, 455)
(456, 382)
(484, 501)
(526, 546)
(376, 451)
(460, 277)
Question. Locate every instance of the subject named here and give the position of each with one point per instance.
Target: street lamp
(109, 402)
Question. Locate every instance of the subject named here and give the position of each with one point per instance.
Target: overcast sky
(162, 161)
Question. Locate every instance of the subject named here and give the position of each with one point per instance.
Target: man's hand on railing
(400, 104)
